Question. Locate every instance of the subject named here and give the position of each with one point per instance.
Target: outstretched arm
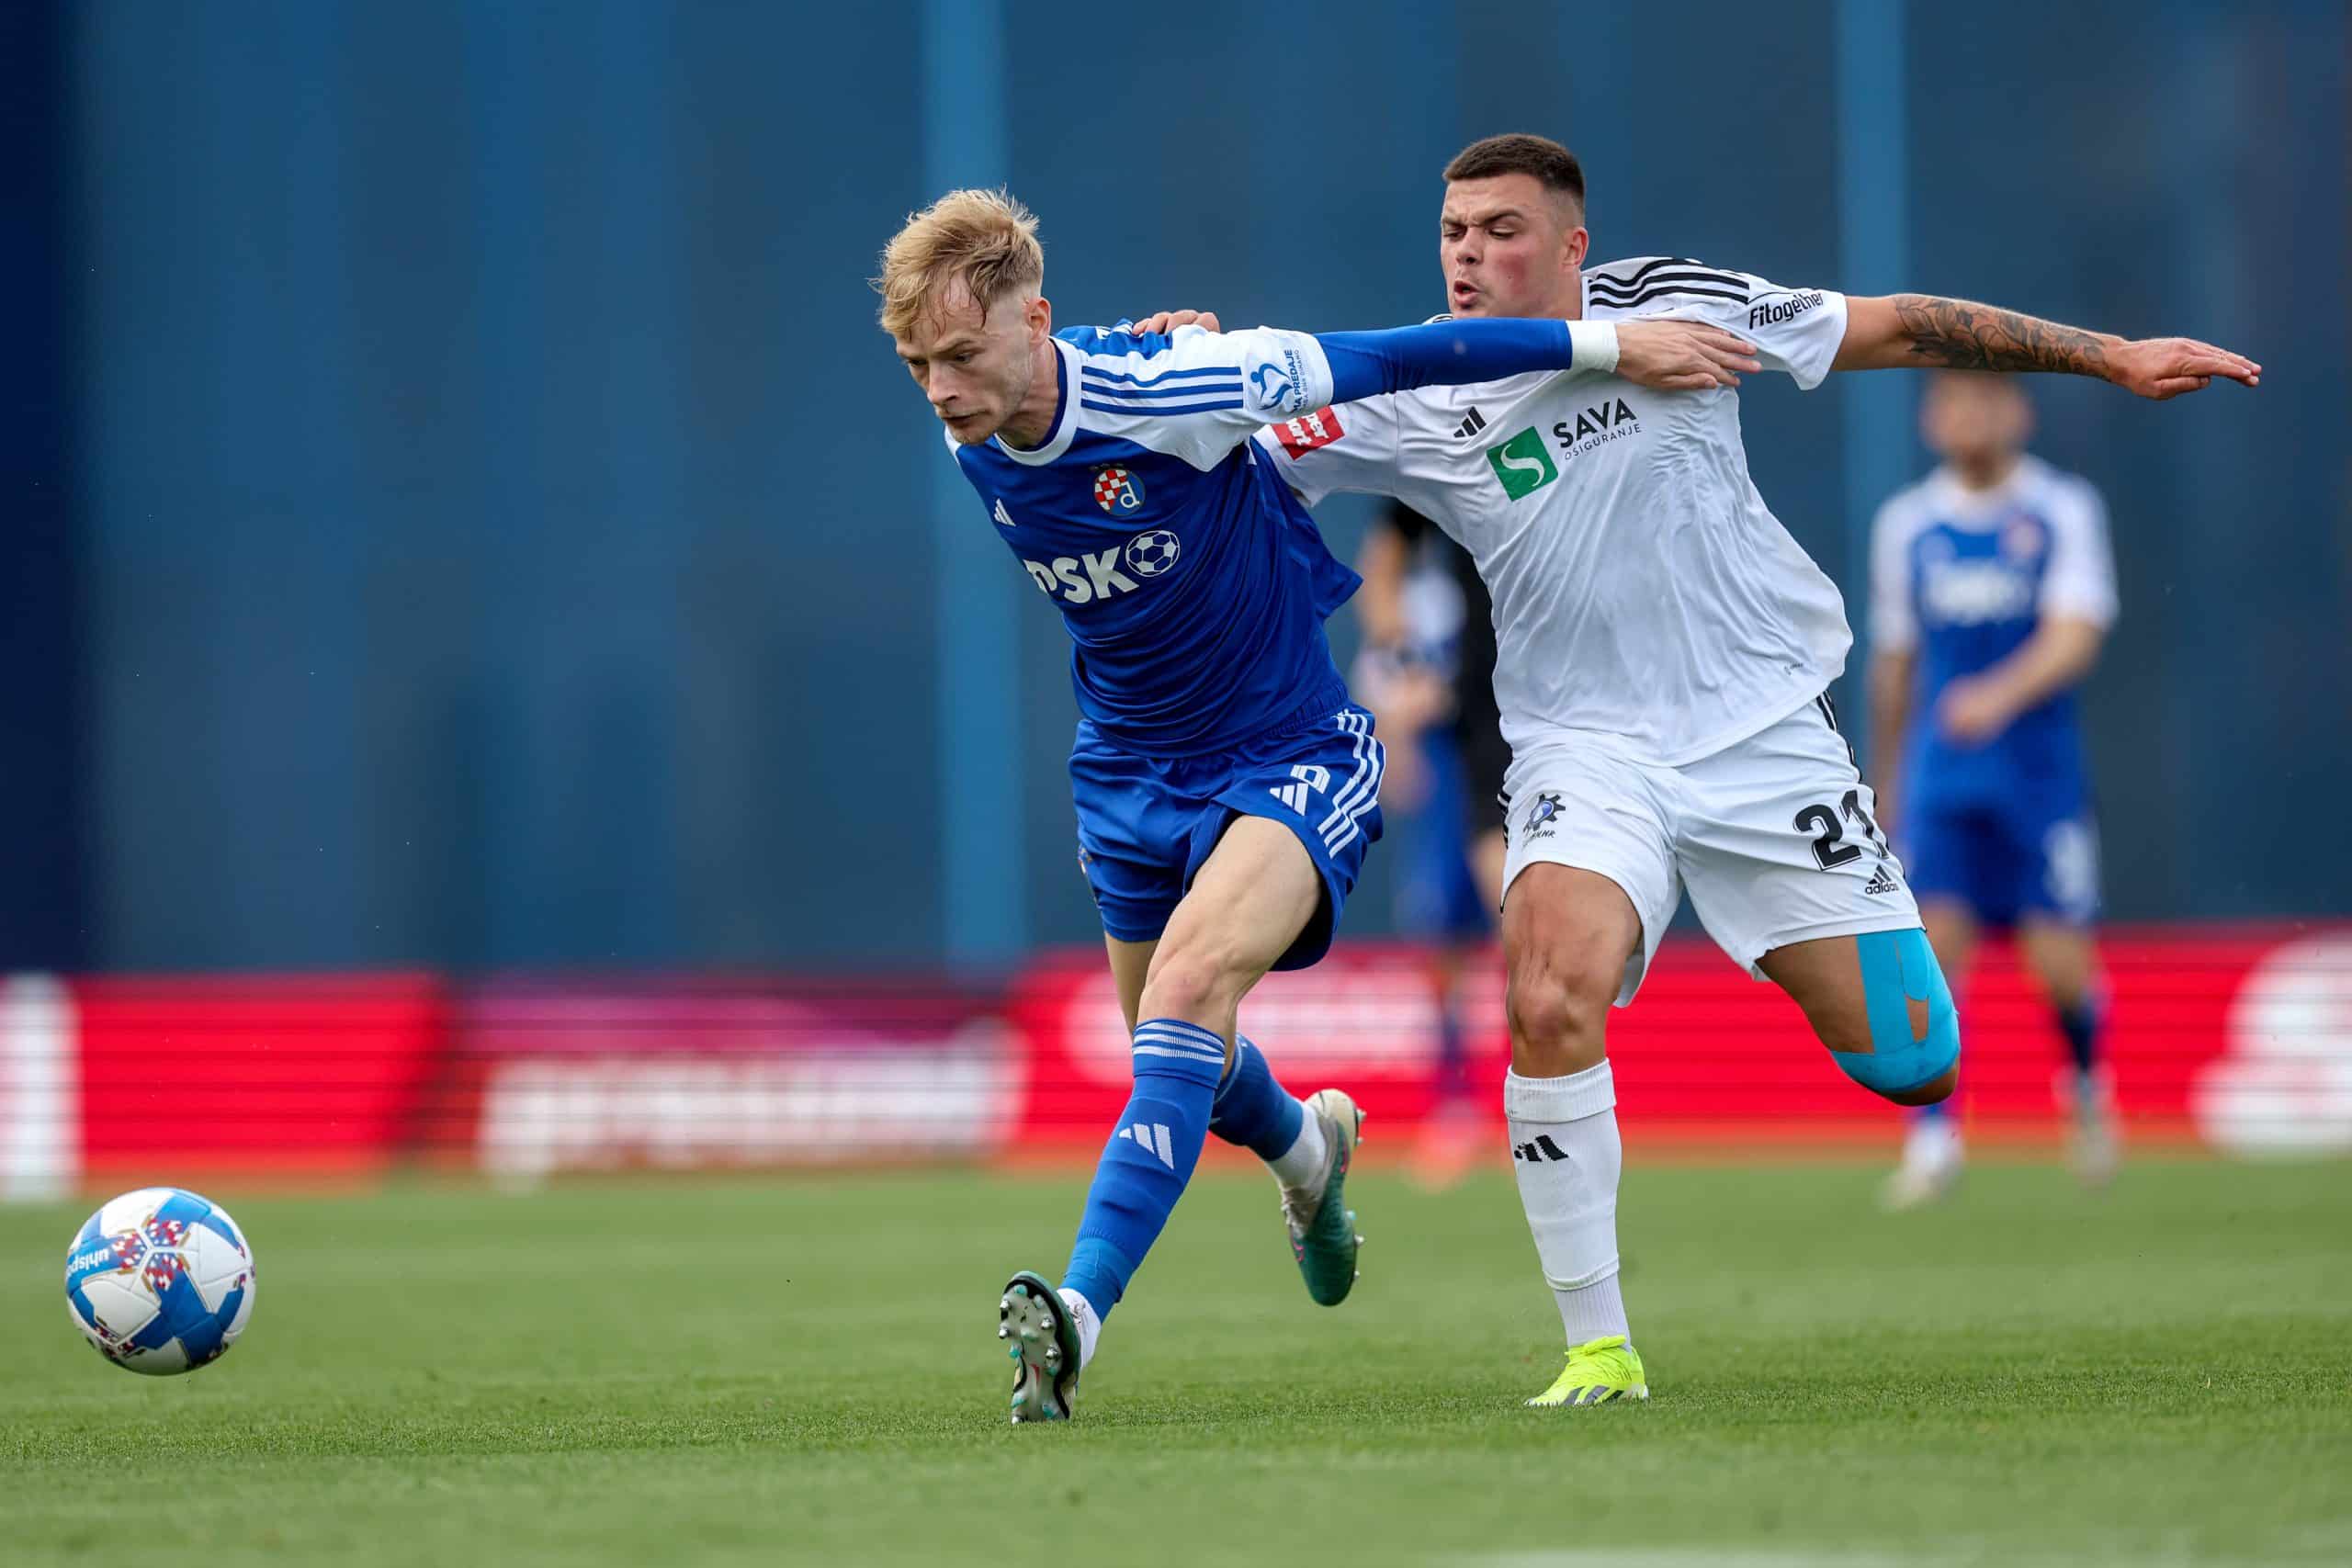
(1921, 331)
(1676, 355)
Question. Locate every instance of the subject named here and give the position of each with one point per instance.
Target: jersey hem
(1761, 719)
(1329, 698)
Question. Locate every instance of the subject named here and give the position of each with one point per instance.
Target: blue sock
(1936, 1111)
(1254, 1110)
(1150, 1159)
(2079, 1024)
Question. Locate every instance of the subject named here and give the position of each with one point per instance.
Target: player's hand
(1973, 710)
(1169, 320)
(1683, 356)
(2163, 367)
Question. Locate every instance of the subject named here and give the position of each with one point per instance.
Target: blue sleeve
(1365, 365)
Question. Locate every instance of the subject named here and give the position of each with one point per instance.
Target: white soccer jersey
(1642, 589)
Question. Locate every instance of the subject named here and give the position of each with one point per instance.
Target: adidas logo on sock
(1536, 1153)
(1881, 880)
(1153, 1136)
(1470, 426)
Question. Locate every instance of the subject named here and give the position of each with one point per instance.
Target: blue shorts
(1146, 825)
(2007, 862)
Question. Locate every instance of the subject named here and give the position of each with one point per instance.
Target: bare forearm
(1380, 603)
(1890, 691)
(1923, 331)
(2054, 658)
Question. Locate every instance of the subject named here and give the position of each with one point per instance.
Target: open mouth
(1463, 293)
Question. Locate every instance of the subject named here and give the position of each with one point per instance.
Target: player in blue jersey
(1226, 787)
(1991, 590)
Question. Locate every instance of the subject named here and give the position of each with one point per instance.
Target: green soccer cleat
(1043, 1349)
(1322, 1227)
(1597, 1372)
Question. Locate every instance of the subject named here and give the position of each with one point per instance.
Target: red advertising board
(2241, 1038)
(312, 1076)
(545, 1077)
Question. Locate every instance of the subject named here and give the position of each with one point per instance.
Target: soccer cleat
(1932, 1159)
(1043, 1341)
(2094, 1145)
(1597, 1372)
(1322, 1227)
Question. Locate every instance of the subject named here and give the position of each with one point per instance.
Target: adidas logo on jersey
(1152, 1137)
(1881, 880)
(1003, 518)
(1536, 1153)
(1470, 426)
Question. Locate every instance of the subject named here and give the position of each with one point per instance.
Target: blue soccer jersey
(1193, 584)
(1961, 579)
(1194, 588)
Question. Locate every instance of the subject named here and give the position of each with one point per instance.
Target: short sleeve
(2079, 582)
(1795, 330)
(1351, 446)
(1893, 629)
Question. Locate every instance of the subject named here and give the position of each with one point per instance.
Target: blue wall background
(499, 535)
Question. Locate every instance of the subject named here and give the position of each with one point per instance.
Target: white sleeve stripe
(1145, 396)
(1099, 372)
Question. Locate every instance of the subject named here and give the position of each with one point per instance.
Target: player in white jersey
(1664, 652)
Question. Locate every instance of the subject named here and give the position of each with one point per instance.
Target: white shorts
(1776, 836)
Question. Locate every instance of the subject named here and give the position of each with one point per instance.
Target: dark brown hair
(1553, 166)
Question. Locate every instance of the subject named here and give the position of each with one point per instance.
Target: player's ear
(1038, 312)
(1578, 244)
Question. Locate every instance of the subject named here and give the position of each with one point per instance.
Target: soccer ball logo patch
(1116, 490)
(1150, 554)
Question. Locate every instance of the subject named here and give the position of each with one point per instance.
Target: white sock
(1089, 1327)
(1565, 1150)
(1303, 1162)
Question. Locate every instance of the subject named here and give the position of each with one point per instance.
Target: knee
(1558, 1016)
(1190, 981)
(1933, 1092)
(1913, 1027)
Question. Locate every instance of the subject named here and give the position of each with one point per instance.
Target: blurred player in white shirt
(1992, 589)
(1665, 649)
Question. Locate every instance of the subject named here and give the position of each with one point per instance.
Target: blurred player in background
(1664, 654)
(1227, 788)
(1427, 671)
(1992, 588)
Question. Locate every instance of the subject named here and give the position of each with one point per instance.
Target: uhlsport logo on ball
(1150, 554)
(160, 1281)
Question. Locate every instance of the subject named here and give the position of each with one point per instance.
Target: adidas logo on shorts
(1881, 880)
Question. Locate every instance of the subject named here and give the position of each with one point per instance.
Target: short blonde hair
(983, 237)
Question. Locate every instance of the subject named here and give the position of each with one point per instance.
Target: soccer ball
(160, 1281)
(1153, 553)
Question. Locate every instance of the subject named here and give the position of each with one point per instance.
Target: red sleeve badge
(1304, 435)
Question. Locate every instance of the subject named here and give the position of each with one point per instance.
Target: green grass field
(750, 1372)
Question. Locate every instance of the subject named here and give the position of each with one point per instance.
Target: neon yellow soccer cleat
(1597, 1372)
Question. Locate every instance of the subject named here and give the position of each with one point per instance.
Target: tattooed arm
(1922, 331)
